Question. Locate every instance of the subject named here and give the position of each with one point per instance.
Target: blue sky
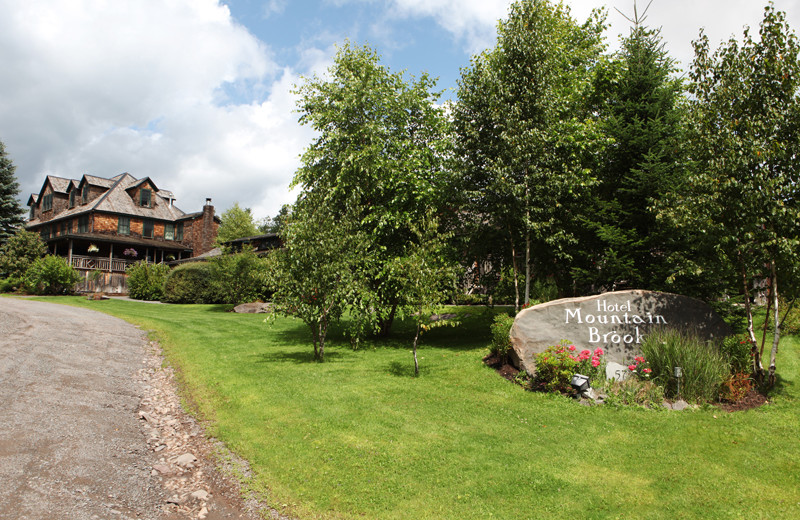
(197, 93)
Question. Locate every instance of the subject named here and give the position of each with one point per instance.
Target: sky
(197, 94)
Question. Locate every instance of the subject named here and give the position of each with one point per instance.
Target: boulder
(253, 308)
(617, 322)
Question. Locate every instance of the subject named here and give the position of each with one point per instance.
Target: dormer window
(47, 202)
(85, 194)
(33, 211)
(145, 198)
(72, 198)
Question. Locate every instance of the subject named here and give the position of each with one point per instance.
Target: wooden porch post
(70, 251)
(110, 258)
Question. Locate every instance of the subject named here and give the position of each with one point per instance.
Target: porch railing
(91, 263)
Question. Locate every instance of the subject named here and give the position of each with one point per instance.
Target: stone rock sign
(616, 321)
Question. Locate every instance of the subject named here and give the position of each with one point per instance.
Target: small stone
(186, 460)
(201, 495)
(202, 513)
(175, 499)
(147, 417)
(680, 405)
(163, 469)
(617, 371)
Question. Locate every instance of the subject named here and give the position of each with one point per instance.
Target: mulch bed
(753, 399)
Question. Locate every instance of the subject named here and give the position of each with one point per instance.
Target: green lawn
(359, 437)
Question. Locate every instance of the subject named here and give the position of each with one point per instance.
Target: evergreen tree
(10, 210)
(642, 116)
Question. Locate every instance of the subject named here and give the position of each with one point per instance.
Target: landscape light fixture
(580, 383)
(678, 373)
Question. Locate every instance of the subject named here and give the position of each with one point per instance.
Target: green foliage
(790, 314)
(10, 210)
(501, 340)
(527, 136)
(191, 282)
(19, 252)
(236, 222)
(313, 275)
(10, 284)
(379, 161)
(640, 102)
(146, 280)
(558, 363)
(736, 350)
(633, 392)
(239, 278)
(51, 275)
(704, 367)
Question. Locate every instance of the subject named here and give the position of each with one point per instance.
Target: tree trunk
(416, 339)
(515, 269)
(527, 268)
(777, 335)
(757, 368)
(385, 325)
(766, 320)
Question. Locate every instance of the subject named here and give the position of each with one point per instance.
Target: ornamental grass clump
(704, 368)
(556, 366)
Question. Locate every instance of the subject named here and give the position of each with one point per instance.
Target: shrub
(190, 283)
(736, 387)
(10, 284)
(51, 275)
(704, 367)
(556, 366)
(19, 252)
(146, 280)
(239, 278)
(791, 323)
(501, 341)
(633, 392)
(736, 350)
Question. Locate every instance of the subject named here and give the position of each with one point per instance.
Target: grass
(359, 437)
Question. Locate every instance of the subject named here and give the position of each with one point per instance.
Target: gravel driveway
(71, 445)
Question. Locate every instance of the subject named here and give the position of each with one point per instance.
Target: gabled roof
(142, 181)
(33, 199)
(59, 185)
(118, 200)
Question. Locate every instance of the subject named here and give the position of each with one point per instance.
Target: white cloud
(149, 87)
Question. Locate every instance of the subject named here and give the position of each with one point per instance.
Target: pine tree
(643, 116)
(10, 210)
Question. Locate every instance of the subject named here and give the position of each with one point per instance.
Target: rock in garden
(617, 371)
(618, 322)
(253, 308)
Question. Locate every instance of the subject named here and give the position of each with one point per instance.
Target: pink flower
(598, 351)
(595, 362)
(632, 367)
(583, 356)
(646, 370)
(560, 351)
(586, 353)
(573, 358)
(639, 359)
(572, 348)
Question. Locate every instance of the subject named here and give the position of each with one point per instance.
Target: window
(83, 224)
(33, 212)
(85, 194)
(124, 226)
(66, 227)
(72, 199)
(179, 231)
(144, 198)
(147, 228)
(47, 202)
(169, 231)
(45, 232)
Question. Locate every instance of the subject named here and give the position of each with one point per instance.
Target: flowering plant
(93, 248)
(556, 366)
(640, 368)
(130, 252)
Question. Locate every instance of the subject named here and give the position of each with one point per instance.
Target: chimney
(209, 233)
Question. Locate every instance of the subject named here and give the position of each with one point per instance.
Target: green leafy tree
(642, 114)
(51, 275)
(426, 276)
(379, 158)
(526, 132)
(236, 222)
(19, 252)
(745, 138)
(313, 275)
(275, 224)
(10, 210)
